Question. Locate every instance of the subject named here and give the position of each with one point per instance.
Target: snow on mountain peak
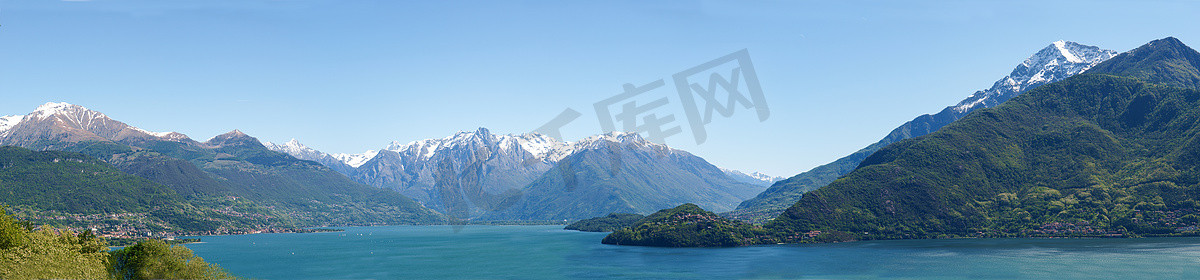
(356, 160)
(167, 135)
(71, 115)
(291, 147)
(69, 112)
(765, 179)
(51, 108)
(1062, 48)
(541, 147)
(629, 139)
(538, 146)
(7, 122)
(1057, 61)
(616, 137)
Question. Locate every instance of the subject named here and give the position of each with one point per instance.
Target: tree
(49, 253)
(154, 259)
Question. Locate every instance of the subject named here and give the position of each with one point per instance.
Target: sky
(350, 76)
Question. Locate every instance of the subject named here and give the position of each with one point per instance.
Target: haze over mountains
(233, 180)
(470, 175)
(232, 174)
(513, 177)
(1053, 63)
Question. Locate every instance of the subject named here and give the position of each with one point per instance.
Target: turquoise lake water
(548, 252)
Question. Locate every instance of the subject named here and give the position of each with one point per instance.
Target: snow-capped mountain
(67, 123)
(623, 173)
(755, 178)
(1058, 61)
(355, 160)
(229, 165)
(301, 151)
(1052, 63)
(8, 122)
(471, 172)
(495, 164)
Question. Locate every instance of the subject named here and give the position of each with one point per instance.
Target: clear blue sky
(348, 76)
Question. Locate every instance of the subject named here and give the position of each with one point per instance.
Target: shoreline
(343, 229)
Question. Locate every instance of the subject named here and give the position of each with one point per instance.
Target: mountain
(42, 185)
(1167, 62)
(481, 175)
(623, 173)
(55, 125)
(465, 174)
(1053, 63)
(612, 222)
(320, 194)
(754, 178)
(355, 160)
(231, 166)
(300, 151)
(688, 225)
(1112, 151)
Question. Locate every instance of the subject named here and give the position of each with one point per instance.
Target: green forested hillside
(688, 225)
(235, 172)
(309, 192)
(1051, 64)
(71, 189)
(781, 195)
(608, 223)
(75, 183)
(1096, 154)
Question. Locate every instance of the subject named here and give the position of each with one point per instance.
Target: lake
(548, 252)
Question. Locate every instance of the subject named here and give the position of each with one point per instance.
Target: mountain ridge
(1097, 154)
(229, 165)
(473, 173)
(1052, 63)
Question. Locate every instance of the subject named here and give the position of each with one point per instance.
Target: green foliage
(72, 189)
(1165, 61)
(781, 195)
(608, 223)
(689, 226)
(154, 259)
(1093, 155)
(233, 184)
(12, 232)
(49, 253)
(74, 183)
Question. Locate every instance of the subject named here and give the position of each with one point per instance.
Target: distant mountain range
(470, 175)
(230, 170)
(1053, 63)
(478, 174)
